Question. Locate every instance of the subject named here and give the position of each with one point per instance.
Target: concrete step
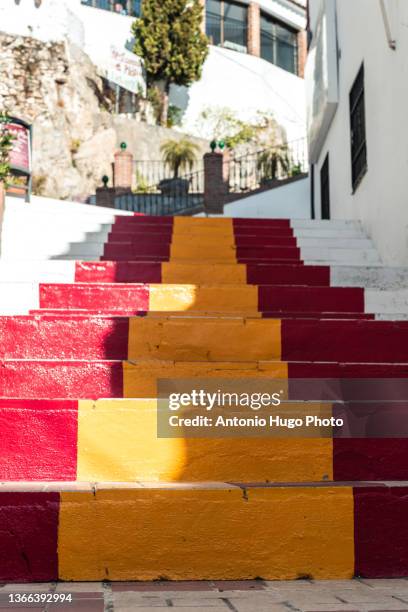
(393, 301)
(335, 243)
(339, 256)
(116, 440)
(332, 224)
(376, 277)
(142, 531)
(73, 379)
(93, 337)
(205, 298)
(28, 271)
(201, 273)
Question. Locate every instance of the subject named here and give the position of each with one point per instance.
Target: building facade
(273, 31)
(356, 80)
(250, 69)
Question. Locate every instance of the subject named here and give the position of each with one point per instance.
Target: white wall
(290, 201)
(246, 84)
(381, 200)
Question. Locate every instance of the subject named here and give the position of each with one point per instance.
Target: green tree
(179, 154)
(170, 41)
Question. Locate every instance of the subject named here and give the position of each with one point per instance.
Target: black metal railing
(149, 173)
(170, 196)
(266, 167)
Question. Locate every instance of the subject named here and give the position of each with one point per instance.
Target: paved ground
(248, 596)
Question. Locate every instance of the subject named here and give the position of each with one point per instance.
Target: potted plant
(273, 163)
(179, 155)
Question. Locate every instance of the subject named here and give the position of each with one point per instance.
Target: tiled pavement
(248, 596)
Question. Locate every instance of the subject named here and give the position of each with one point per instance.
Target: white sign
(126, 70)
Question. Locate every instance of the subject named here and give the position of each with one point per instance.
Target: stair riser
(223, 298)
(146, 534)
(116, 441)
(54, 337)
(42, 379)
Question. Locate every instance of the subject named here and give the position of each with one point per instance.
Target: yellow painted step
(203, 274)
(140, 377)
(204, 339)
(118, 442)
(207, 532)
(206, 298)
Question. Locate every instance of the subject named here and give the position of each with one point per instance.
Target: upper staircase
(92, 492)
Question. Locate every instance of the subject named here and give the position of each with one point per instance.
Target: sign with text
(126, 70)
(20, 154)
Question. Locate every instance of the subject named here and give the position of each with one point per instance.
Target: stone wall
(55, 87)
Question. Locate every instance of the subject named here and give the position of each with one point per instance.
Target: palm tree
(179, 154)
(273, 160)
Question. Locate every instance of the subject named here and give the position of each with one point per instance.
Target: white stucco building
(357, 89)
(255, 63)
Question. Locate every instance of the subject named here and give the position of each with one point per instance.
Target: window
(124, 7)
(279, 44)
(325, 188)
(358, 130)
(226, 24)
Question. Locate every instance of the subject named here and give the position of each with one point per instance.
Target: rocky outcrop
(55, 87)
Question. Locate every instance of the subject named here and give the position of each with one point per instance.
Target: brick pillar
(123, 170)
(302, 52)
(216, 186)
(254, 29)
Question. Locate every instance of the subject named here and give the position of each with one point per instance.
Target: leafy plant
(174, 115)
(296, 170)
(142, 185)
(6, 141)
(223, 123)
(179, 154)
(273, 162)
(169, 39)
(38, 183)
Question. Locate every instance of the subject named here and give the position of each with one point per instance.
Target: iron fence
(169, 196)
(264, 168)
(148, 174)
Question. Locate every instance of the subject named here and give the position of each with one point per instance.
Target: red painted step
(128, 250)
(29, 538)
(260, 223)
(47, 447)
(311, 299)
(356, 341)
(370, 459)
(145, 239)
(54, 337)
(94, 296)
(136, 258)
(150, 272)
(315, 315)
(143, 220)
(49, 379)
(134, 297)
(33, 379)
(269, 274)
(120, 272)
(381, 531)
(248, 253)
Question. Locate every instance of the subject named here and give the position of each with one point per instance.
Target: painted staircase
(89, 490)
